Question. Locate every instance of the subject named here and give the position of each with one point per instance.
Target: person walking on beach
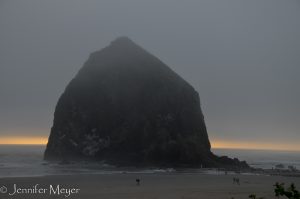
(137, 181)
(236, 181)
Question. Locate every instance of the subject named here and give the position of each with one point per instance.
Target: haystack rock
(128, 108)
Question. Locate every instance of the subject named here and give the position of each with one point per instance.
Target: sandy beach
(152, 186)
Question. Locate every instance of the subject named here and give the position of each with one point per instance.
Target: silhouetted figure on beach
(138, 181)
(236, 181)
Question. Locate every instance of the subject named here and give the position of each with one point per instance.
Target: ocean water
(23, 161)
(27, 161)
(265, 159)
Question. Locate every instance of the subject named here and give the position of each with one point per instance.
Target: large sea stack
(128, 108)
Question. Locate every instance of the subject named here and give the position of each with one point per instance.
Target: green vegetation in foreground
(290, 192)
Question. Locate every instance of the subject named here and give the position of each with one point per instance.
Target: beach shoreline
(156, 185)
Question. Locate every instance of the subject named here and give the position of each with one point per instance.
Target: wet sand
(152, 186)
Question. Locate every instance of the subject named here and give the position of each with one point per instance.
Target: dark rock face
(128, 108)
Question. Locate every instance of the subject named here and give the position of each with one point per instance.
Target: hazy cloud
(242, 56)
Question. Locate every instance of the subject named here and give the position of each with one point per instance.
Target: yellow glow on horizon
(224, 144)
(22, 140)
(215, 144)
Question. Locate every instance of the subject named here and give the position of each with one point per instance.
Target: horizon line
(215, 144)
(212, 148)
(256, 149)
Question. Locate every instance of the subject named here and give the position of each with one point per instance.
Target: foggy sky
(242, 56)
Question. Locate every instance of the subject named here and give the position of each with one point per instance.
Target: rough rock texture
(127, 107)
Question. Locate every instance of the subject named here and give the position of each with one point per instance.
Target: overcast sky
(242, 56)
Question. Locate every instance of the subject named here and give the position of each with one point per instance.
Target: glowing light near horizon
(20, 140)
(224, 144)
(215, 144)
